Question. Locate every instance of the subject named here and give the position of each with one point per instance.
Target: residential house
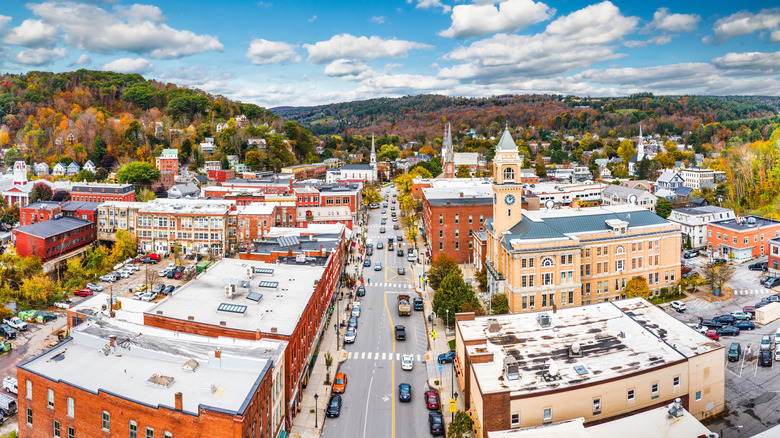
(59, 169)
(183, 191)
(694, 221)
(619, 195)
(73, 168)
(669, 180)
(41, 169)
(90, 166)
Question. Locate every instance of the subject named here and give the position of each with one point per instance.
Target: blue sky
(285, 52)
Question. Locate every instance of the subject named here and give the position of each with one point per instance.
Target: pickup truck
(404, 307)
(9, 384)
(16, 323)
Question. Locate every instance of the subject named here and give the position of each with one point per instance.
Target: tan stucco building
(599, 362)
(563, 257)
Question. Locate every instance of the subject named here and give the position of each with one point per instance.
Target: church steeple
(640, 147)
(373, 151)
(448, 152)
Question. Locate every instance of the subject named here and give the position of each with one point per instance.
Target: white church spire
(373, 151)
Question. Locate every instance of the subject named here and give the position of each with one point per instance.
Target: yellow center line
(392, 370)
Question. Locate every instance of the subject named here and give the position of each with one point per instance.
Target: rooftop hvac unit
(511, 368)
(545, 320)
(575, 350)
(676, 409)
(249, 273)
(230, 290)
(493, 325)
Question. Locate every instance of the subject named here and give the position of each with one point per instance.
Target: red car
(712, 335)
(83, 293)
(750, 309)
(177, 275)
(432, 400)
(686, 269)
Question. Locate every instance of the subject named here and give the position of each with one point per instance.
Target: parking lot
(752, 400)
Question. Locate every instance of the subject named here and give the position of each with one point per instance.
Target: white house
(619, 195)
(59, 169)
(694, 221)
(73, 168)
(221, 126)
(41, 169)
(90, 166)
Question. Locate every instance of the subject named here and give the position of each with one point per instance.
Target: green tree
(146, 195)
(499, 304)
(36, 291)
(101, 174)
(388, 152)
(12, 156)
(225, 163)
(451, 295)
(637, 287)
(463, 171)
(482, 279)
(461, 427)
(328, 363)
(14, 268)
(371, 196)
(440, 268)
(688, 244)
(540, 169)
(138, 172)
(40, 192)
(663, 208)
(84, 175)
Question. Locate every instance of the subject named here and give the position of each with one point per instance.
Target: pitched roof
(53, 227)
(667, 176)
(506, 143)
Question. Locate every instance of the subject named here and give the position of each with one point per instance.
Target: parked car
(432, 400)
(7, 332)
(418, 303)
(110, 278)
(728, 330)
(712, 335)
(168, 290)
(750, 309)
(334, 406)
(697, 327)
(407, 362)
(122, 274)
(8, 405)
(777, 355)
(148, 296)
(16, 323)
(725, 319)
(140, 288)
(766, 342)
(719, 261)
(356, 311)
(447, 357)
(171, 273)
(760, 266)
(685, 269)
(775, 282)
(678, 306)
(340, 383)
(405, 392)
(735, 352)
(711, 323)
(765, 359)
(353, 322)
(740, 315)
(436, 423)
(764, 281)
(83, 293)
(95, 287)
(178, 275)
(10, 384)
(745, 325)
(361, 291)
(349, 337)
(691, 254)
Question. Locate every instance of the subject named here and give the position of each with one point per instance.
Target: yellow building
(571, 256)
(599, 362)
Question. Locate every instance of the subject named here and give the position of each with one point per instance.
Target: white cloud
(347, 46)
(138, 29)
(39, 57)
(312, 19)
(82, 60)
(431, 4)
(750, 62)
(378, 19)
(271, 52)
(403, 84)
(633, 43)
(348, 69)
(476, 20)
(661, 40)
(775, 36)
(674, 23)
(746, 23)
(32, 33)
(4, 19)
(128, 65)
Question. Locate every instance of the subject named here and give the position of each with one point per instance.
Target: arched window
(509, 174)
(547, 261)
(620, 250)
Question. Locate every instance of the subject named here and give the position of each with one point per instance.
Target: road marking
(365, 421)
(383, 356)
(363, 356)
(376, 356)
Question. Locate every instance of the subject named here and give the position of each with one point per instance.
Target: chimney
(273, 329)
(217, 354)
(223, 324)
(461, 194)
(555, 309)
(179, 402)
(112, 340)
(191, 318)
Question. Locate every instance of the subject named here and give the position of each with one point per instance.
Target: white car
(122, 274)
(678, 306)
(148, 296)
(108, 277)
(164, 272)
(349, 338)
(95, 287)
(407, 362)
(697, 327)
(356, 312)
(133, 267)
(138, 295)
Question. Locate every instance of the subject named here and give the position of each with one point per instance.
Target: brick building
(168, 161)
(81, 210)
(306, 171)
(244, 299)
(198, 225)
(101, 192)
(222, 175)
(255, 220)
(451, 215)
(152, 383)
(600, 362)
(54, 239)
(38, 212)
(773, 263)
(742, 238)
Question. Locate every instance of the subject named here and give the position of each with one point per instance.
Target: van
(412, 256)
(119, 266)
(7, 405)
(735, 352)
(153, 256)
(9, 384)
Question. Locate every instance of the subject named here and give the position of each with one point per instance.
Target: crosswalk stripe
(418, 358)
(397, 356)
(363, 356)
(383, 356)
(349, 355)
(389, 356)
(376, 356)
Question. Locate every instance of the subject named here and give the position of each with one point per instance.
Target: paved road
(370, 405)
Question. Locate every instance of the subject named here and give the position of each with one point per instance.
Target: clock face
(509, 199)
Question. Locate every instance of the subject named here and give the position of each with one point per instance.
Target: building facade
(38, 212)
(451, 216)
(54, 239)
(116, 215)
(101, 192)
(619, 195)
(741, 239)
(198, 226)
(694, 221)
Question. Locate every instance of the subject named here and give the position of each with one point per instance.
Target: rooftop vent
(230, 290)
(511, 368)
(545, 320)
(676, 409)
(552, 373)
(160, 380)
(190, 366)
(575, 350)
(493, 325)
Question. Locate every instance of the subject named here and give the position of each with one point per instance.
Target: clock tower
(507, 190)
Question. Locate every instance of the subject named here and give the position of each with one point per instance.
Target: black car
(418, 303)
(334, 406)
(765, 359)
(691, 254)
(719, 261)
(725, 319)
(400, 252)
(760, 266)
(745, 325)
(436, 423)
(711, 323)
(772, 283)
(171, 273)
(400, 333)
(7, 331)
(361, 291)
(168, 290)
(728, 331)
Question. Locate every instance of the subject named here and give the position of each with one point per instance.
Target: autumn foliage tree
(637, 287)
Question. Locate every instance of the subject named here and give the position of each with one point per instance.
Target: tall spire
(448, 153)
(373, 151)
(640, 147)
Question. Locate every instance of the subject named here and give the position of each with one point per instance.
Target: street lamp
(315, 410)
(447, 322)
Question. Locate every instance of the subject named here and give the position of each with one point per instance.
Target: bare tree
(716, 275)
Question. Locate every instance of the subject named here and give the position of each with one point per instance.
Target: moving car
(367, 263)
(400, 252)
(95, 287)
(382, 230)
(418, 303)
(728, 330)
(401, 271)
(432, 400)
(407, 362)
(760, 266)
(378, 266)
(436, 423)
(396, 227)
(379, 245)
(340, 383)
(405, 392)
(765, 359)
(399, 238)
(447, 357)
(678, 306)
(361, 291)
(691, 254)
(349, 337)
(334, 406)
(400, 333)
(735, 352)
(84, 293)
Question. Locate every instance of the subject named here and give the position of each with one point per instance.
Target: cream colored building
(116, 215)
(561, 257)
(597, 362)
(695, 176)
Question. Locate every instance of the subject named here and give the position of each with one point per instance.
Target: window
(71, 432)
(547, 261)
(630, 394)
(619, 265)
(620, 250)
(509, 174)
(515, 420)
(457, 233)
(149, 432)
(698, 398)
(441, 233)
(56, 428)
(547, 278)
(745, 240)
(29, 416)
(597, 405)
(457, 245)
(441, 245)
(28, 389)
(734, 239)
(676, 381)
(70, 407)
(525, 302)
(547, 415)
(654, 390)
(457, 219)
(133, 429)
(50, 399)
(470, 219)
(441, 219)
(106, 421)
(168, 435)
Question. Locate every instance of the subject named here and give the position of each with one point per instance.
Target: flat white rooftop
(285, 288)
(617, 339)
(131, 310)
(143, 352)
(187, 206)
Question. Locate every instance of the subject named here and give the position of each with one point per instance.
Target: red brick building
(54, 238)
(479, 252)
(168, 161)
(141, 390)
(451, 215)
(38, 212)
(306, 171)
(222, 175)
(81, 210)
(774, 256)
(743, 238)
(99, 192)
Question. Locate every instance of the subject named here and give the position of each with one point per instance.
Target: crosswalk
(754, 292)
(374, 356)
(395, 285)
